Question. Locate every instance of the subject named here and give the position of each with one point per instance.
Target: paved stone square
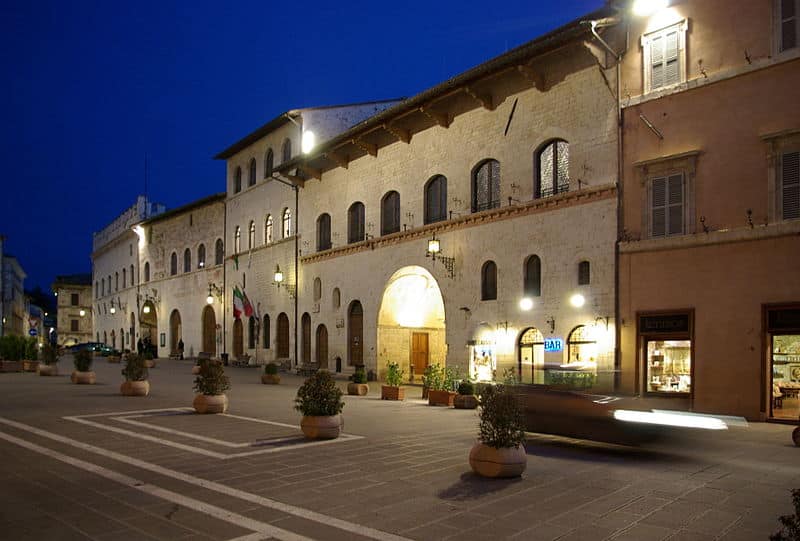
(84, 462)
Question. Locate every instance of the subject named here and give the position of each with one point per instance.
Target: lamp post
(434, 251)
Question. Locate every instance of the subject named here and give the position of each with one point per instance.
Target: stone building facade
(14, 305)
(74, 301)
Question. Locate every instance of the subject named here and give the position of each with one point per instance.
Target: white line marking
(251, 537)
(198, 450)
(307, 514)
(261, 528)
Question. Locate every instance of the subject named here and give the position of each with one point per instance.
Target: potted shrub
(394, 377)
(431, 379)
(270, 374)
(466, 399)
(135, 373)
(30, 361)
(358, 382)
(441, 392)
(12, 349)
(148, 359)
(320, 402)
(210, 385)
(499, 451)
(83, 364)
(49, 364)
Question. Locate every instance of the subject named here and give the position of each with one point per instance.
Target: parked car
(97, 347)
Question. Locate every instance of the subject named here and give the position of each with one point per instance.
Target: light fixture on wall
(525, 304)
(434, 251)
(117, 303)
(278, 280)
(601, 319)
(82, 312)
(213, 291)
(502, 325)
(577, 300)
(643, 8)
(552, 322)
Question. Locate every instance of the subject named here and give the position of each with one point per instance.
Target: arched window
(489, 281)
(173, 264)
(268, 230)
(286, 150)
(355, 223)
(116, 281)
(336, 298)
(219, 252)
(237, 180)
(237, 240)
(532, 280)
(531, 356)
(287, 223)
(552, 169)
(317, 289)
(147, 271)
(251, 236)
(584, 276)
(436, 199)
(132, 277)
(109, 284)
(581, 346)
(96, 289)
(187, 260)
(269, 163)
(282, 336)
(201, 256)
(390, 213)
(265, 331)
(251, 178)
(251, 333)
(323, 232)
(355, 333)
(124, 278)
(486, 186)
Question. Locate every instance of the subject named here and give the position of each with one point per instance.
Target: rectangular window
(74, 300)
(790, 185)
(667, 352)
(667, 205)
(788, 24)
(74, 325)
(664, 57)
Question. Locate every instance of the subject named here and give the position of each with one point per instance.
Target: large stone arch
(175, 331)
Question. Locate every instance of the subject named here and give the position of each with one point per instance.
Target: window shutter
(675, 202)
(657, 62)
(788, 24)
(671, 62)
(658, 207)
(790, 179)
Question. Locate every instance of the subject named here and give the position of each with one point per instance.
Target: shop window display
(786, 376)
(669, 366)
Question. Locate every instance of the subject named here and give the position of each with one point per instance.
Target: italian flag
(238, 303)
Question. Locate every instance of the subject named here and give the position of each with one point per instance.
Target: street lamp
(525, 304)
(434, 251)
(278, 280)
(82, 313)
(643, 8)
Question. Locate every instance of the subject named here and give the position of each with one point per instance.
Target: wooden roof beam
(536, 78)
(338, 159)
(369, 148)
(486, 100)
(311, 171)
(442, 119)
(401, 134)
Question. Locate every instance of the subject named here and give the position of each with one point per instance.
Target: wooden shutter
(657, 62)
(788, 19)
(675, 203)
(790, 189)
(666, 206)
(672, 73)
(658, 210)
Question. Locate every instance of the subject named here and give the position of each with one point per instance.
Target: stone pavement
(83, 462)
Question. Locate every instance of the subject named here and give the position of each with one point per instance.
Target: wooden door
(322, 346)
(283, 336)
(209, 331)
(355, 333)
(306, 325)
(238, 339)
(419, 352)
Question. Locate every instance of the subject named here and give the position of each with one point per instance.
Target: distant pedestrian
(180, 347)
(139, 346)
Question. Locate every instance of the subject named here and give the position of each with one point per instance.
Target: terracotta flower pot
(150, 363)
(465, 402)
(30, 366)
(196, 369)
(11, 366)
(271, 379)
(493, 462)
(47, 369)
(392, 393)
(135, 388)
(441, 398)
(83, 378)
(321, 427)
(204, 403)
(357, 389)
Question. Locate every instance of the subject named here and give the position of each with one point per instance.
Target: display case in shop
(669, 366)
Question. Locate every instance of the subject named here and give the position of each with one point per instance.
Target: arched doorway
(148, 327)
(113, 339)
(411, 322)
(209, 331)
(122, 339)
(238, 339)
(322, 346)
(531, 356)
(132, 333)
(355, 334)
(175, 331)
(283, 336)
(305, 322)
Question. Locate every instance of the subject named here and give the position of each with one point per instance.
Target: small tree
(49, 354)
(31, 351)
(319, 396)
(135, 369)
(394, 374)
(360, 375)
(83, 360)
(271, 369)
(791, 523)
(211, 380)
(501, 424)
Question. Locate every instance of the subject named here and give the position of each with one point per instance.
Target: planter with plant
(49, 364)
(441, 392)
(30, 362)
(83, 365)
(135, 373)
(466, 399)
(270, 375)
(12, 350)
(210, 385)
(394, 377)
(431, 379)
(358, 382)
(320, 402)
(790, 524)
(149, 362)
(499, 451)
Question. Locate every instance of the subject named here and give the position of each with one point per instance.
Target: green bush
(394, 374)
(433, 378)
(83, 360)
(466, 387)
(450, 376)
(570, 379)
(49, 354)
(271, 369)
(790, 523)
(13, 348)
(319, 396)
(501, 424)
(135, 369)
(211, 380)
(510, 376)
(31, 349)
(359, 376)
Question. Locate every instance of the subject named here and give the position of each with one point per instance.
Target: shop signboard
(553, 345)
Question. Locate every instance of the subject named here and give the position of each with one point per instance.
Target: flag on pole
(238, 303)
(236, 262)
(248, 308)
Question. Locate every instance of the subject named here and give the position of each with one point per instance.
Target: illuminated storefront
(666, 347)
(783, 343)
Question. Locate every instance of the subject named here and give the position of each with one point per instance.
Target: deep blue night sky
(89, 88)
